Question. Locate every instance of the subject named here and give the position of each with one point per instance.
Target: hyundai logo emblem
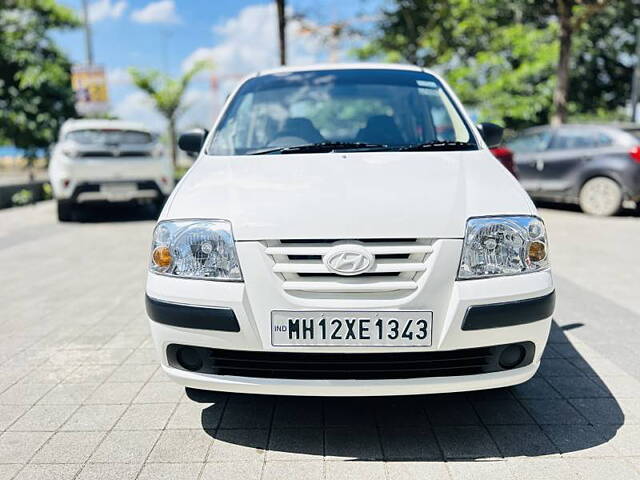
(348, 259)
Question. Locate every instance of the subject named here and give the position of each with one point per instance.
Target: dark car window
(530, 142)
(604, 140)
(574, 139)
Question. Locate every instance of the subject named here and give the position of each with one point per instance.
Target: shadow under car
(565, 408)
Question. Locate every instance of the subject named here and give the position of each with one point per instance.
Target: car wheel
(65, 210)
(601, 196)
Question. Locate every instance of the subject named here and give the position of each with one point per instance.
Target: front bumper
(450, 301)
(352, 388)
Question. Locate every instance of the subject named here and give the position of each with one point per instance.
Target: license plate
(118, 189)
(373, 329)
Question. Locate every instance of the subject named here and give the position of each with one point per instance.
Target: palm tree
(167, 94)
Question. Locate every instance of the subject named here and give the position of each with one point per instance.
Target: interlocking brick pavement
(82, 397)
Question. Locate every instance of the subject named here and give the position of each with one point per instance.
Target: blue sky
(169, 35)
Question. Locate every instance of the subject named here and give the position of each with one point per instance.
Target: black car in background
(595, 166)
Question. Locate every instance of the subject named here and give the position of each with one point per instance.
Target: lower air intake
(351, 366)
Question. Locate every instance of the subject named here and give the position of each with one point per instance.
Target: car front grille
(347, 366)
(398, 265)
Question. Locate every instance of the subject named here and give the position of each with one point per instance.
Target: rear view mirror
(193, 140)
(491, 134)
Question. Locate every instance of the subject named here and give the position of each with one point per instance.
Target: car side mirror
(193, 140)
(491, 134)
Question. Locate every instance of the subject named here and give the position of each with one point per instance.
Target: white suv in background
(108, 161)
(346, 231)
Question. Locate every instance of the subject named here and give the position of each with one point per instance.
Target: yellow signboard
(90, 86)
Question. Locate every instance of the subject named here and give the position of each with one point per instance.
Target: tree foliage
(511, 80)
(603, 60)
(35, 87)
(167, 94)
(502, 56)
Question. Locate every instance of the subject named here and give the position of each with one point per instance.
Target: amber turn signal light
(537, 251)
(162, 257)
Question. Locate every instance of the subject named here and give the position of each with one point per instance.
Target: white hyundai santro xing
(346, 231)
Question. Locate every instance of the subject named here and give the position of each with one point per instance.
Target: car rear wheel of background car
(601, 196)
(65, 210)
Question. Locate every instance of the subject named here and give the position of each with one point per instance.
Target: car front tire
(65, 210)
(601, 196)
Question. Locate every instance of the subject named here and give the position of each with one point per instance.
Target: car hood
(348, 195)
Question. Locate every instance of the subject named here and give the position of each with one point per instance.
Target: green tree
(167, 95)
(525, 61)
(35, 86)
(511, 81)
(572, 16)
(498, 65)
(603, 59)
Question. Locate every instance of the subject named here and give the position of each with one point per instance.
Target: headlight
(195, 249)
(496, 246)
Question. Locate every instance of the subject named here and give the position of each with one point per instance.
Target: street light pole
(87, 33)
(635, 81)
(282, 25)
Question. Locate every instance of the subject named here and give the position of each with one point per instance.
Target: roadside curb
(7, 191)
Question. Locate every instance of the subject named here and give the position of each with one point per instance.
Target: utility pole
(87, 34)
(635, 79)
(282, 25)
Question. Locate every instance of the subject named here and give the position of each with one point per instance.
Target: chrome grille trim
(316, 266)
(398, 265)
(374, 248)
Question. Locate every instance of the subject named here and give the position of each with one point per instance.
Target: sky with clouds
(239, 36)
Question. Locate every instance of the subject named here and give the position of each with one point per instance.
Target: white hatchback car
(346, 231)
(108, 161)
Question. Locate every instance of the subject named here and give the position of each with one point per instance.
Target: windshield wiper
(321, 147)
(441, 145)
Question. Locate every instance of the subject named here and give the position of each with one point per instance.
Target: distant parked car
(505, 156)
(108, 161)
(594, 166)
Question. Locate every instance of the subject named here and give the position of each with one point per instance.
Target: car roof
(341, 66)
(571, 126)
(99, 124)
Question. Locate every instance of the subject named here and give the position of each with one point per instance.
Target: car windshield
(109, 137)
(394, 108)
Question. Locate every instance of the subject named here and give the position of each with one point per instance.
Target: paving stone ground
(82, 397)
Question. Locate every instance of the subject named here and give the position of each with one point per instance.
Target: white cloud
(249, 42)
(235, 54)
(104, 9)
(118, 76)
(162, 11)
(138, 107)
(200, 108)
